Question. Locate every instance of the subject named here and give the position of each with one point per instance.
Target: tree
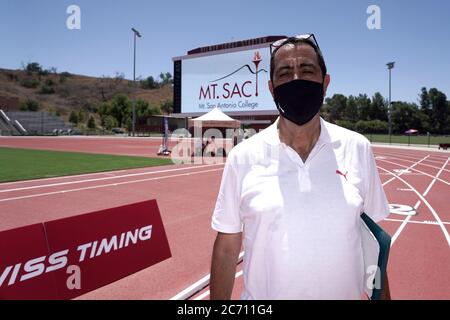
(142, 107)
(73, 118)
(324, 112)
(104, 109)
(371, 126)
(145, 109)
(121, 109)
(346, 124)
(378, 108)
(119, 76)
(361, 126)
(154, 110)
(82, 116)
(150, 83)
(440, 111)
(166, 78)
(91, 123)
(351, 110)
(33, 67)
(405, 116)
(167, 106)
(424, 100)
(363, 105)
(336, 106)
(423, 122)
(378, 126)
(109, 122)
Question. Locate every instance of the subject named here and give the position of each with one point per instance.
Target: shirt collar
(271, 135)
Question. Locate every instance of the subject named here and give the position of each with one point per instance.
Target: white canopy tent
(214, 119)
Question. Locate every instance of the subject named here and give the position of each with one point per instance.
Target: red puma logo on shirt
(342, 174)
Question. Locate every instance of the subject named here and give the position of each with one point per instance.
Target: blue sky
(415, 34)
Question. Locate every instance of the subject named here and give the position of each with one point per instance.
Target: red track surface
(145, 147)
(420, 255)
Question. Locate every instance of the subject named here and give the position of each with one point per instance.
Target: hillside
(64, 92)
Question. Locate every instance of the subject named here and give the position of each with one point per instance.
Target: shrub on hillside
(12, 77)
(29, 83)
(29, 105)
(63, 76)
(49, 82)
(45, 89)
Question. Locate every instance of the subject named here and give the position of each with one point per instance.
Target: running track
(419, 260)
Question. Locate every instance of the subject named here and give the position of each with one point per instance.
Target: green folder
(376, 244)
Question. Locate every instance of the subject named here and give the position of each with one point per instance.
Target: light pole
(136, 33)
(390, 66)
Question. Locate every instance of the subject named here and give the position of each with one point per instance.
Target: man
(294, 194)
(211, 147)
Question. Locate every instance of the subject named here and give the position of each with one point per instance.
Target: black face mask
(299, 100)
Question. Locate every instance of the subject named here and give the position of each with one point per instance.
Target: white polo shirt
(301, 220)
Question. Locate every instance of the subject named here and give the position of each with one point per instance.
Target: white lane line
(206, 293)
(3, 184)
(424, 173)
(436, 216)
(427, 222)
(433, 158)
(198, 285)
(410, 167)
(407, 219)
(106, 178)
(402, 173)
(114, 172)
(195, 287)
(434, 180)
(107, 185)
(384, 154)
(432, 153)
(402, 226)
(423, 164)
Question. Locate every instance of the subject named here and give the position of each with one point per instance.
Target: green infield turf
(402, 139)
(26, 164)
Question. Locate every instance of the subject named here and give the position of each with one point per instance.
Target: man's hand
(223, 266)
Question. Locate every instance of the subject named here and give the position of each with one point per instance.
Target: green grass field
(403, 139)
(26, 164)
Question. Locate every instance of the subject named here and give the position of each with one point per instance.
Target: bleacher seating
(6, 126)
(37, 123)
(5, 129)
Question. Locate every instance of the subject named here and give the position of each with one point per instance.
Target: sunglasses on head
(308, 37)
